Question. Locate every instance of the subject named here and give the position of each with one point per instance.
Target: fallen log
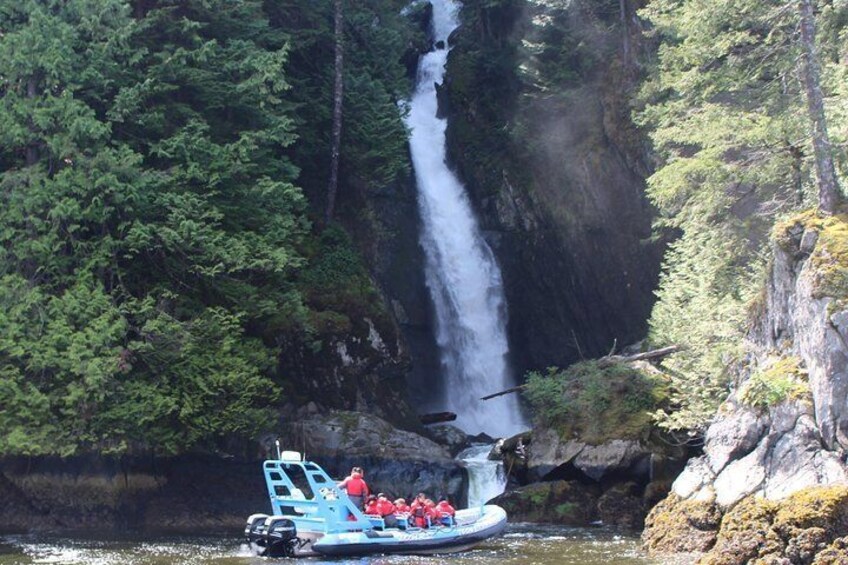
(503, 392)
(437, 417)
(654, 354)
(604, 362)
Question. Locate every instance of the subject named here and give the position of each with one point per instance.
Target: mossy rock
(834, 554)
(829, 258)
(681, 526)
(777, 380)
(557, 502)
(622, 505)
(808, 527)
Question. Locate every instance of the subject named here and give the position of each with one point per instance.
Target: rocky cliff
(558, 178)
(780, 437)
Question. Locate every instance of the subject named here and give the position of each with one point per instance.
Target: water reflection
(526, 545)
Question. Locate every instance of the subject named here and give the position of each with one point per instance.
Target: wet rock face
(212, 493)
(558, 502)
(559, 188)
(451, 437)
(576, 503)
(187, 493)
(397, 462)
(363, 369)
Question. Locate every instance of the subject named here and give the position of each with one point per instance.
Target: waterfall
(486, 479)
(461, 273)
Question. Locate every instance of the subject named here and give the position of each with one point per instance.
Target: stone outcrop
(397, 462)
(207, 492)
(454, 439)
(573, 482)
(549, 456)
(779, 441)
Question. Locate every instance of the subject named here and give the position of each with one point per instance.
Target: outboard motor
(254, 529)
(280, 536)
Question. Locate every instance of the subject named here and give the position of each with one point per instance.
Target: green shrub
(779, 380)
(597, 403)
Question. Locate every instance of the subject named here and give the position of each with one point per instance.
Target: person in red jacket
(386, 510)
(401, 507)
(446, 512)
(434, 515)
(371, 506)
(418, 510)
(356, 487)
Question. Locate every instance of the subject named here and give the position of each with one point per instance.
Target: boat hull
(461, 537)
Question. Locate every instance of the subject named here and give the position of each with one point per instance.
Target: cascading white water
(462, 275)
(486, 478)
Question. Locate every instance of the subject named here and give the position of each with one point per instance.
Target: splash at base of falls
(486, 478)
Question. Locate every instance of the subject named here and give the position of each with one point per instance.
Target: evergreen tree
(148, 219)
(725, 107)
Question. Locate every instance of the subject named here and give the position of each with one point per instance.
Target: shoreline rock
(206, 492)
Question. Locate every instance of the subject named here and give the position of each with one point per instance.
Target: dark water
(526, 545)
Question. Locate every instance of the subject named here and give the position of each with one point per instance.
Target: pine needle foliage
(724, 105)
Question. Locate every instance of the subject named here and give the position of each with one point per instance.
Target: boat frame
(311, 515)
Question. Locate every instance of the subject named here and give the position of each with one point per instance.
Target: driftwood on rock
(654, 354)
(606, 361)
(437, 417)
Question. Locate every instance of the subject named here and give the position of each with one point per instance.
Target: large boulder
(397, 462)
(552, 457)
(557, 502)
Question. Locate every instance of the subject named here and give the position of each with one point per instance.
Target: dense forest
(164, 168)
(162, 164)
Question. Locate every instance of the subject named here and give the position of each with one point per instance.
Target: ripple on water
(522, 544)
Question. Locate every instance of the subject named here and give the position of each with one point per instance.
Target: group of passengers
(422, 513)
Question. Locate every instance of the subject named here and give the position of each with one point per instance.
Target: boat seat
(376, 521)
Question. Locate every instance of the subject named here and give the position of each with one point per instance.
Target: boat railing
(323, 507)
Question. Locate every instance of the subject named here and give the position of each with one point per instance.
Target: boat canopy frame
(321, 513)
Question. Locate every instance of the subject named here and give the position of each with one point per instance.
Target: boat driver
(356, 487)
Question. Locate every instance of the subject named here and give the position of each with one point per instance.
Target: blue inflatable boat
(311, 516)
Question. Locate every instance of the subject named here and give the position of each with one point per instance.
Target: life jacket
(445, 507)
(385, 507)
(356, 486)
(419, 514)
(402, 508)
(371, 508)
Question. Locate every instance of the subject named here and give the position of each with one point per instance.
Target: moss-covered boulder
(807, 527)
(557, 502)
(676, 525)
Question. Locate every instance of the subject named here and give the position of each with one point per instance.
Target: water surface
(521, 544)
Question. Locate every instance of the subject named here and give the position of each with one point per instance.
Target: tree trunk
(625, 34)
(338, 93)
(825, 170)
(31, 152)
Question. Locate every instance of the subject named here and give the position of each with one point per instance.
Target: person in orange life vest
(418, 509)
(446, 512)
(371, 506)
(434, 515)
(401, 507)
(386, 509)
(356, 487)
